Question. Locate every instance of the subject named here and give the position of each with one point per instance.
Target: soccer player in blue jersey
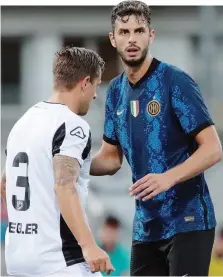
(156, 117)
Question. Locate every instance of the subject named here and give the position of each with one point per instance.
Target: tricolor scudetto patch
(134, 107)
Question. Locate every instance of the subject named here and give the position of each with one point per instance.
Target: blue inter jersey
(155, 122)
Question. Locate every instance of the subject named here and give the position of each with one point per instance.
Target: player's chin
(133, 61)
(83, 112)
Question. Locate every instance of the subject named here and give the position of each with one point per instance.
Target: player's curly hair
(127, 8)
(73, 64)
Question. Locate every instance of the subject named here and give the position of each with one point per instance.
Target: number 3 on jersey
(22, 181)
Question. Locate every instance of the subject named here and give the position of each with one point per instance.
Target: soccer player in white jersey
(45, 183)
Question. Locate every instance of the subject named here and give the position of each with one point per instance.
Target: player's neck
(66, 99)
(134, 74)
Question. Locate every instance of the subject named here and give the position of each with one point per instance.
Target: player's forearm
(102, 165)
(66, 174)
(206, 156)
(73, 214)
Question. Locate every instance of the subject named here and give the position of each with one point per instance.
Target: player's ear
(85, 83)
(151, 36)
(112, 39)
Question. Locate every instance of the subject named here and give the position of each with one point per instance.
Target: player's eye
(124, 32)
(139, 31)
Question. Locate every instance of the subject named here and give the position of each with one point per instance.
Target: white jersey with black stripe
(38, 241)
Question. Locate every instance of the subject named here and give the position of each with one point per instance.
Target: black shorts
(183, 254)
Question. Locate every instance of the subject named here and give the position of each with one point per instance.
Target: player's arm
(107, 161)
(194, 118)
(109, 158)
(197, 124)
(208, 154)
(66, 174)
(3, 186)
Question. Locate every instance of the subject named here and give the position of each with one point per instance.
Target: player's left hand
(151, 185)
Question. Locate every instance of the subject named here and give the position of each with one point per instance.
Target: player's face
(89, 93)
(132, 38)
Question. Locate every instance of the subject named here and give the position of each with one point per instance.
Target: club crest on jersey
(78, 132)
(134, 105)
(153, 108)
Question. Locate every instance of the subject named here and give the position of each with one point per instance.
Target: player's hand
(97, 259)
(151, 185)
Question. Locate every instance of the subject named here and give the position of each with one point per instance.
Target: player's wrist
(172, 177)
(86, 243)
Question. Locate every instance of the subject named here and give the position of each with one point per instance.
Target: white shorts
(76, 270)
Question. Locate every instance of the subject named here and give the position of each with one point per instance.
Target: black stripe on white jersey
(87, 148)
(71, 250)
(58, 139)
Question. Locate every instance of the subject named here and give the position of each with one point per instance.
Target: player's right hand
(97, 259)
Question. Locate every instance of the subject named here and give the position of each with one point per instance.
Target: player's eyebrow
(123, 30)
(140, 29)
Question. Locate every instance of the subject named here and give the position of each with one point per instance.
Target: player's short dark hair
(128, 8)
(112, 221)
(73, 64)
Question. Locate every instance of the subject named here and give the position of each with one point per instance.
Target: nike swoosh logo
(119, 113)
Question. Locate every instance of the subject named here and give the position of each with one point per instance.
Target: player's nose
(132, 38)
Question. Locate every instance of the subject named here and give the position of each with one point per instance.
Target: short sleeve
(72, 139)
(109, 127)
(188, 105)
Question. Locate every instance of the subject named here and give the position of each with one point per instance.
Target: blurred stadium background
(189, 37)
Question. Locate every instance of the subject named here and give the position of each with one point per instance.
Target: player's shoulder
(114, 87)
(72, 119)
(22, 121)
(116, 81)
(70, 125)
(176, 74)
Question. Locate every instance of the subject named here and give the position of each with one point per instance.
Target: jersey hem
(77, 261)
(168, 236)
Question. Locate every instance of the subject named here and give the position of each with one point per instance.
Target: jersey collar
(153, 66)
(57, 103)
